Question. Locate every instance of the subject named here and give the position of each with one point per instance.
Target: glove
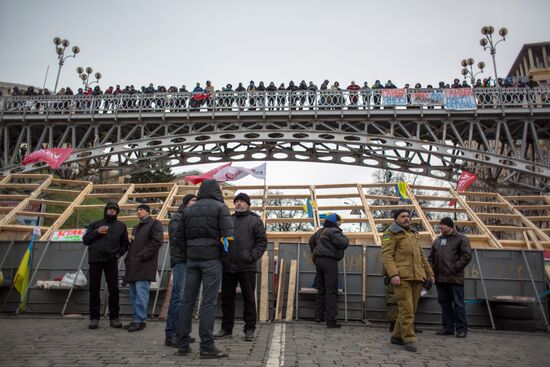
(225, 242)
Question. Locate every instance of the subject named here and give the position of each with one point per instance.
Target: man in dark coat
(202, 230)
(450, 254)
(178, 262)
(240, 267)
(141, 264)
(327, 247)
(107, 240)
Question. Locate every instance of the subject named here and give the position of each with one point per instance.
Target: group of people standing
(210, 247)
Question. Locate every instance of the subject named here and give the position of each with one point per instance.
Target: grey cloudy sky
(182, 42)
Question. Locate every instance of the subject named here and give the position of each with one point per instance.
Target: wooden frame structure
(489, 219)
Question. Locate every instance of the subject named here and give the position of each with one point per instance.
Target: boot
(213, 354)
(222, 334)
(94, 324)
(249, 335)
(115, 323)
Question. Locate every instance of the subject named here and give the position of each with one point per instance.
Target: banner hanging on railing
(394, 97)
(460, 99)
(427, 98)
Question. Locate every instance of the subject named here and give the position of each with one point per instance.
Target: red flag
(205, 176)
(465, 180)
(200, 96)
(54, 157)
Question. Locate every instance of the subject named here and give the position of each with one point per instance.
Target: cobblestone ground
(32, 341)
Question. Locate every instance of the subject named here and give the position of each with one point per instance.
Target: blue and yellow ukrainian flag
(401, 189)
(21, 279)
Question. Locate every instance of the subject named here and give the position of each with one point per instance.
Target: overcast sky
(183, 42)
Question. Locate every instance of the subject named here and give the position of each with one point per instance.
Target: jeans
(139, 298)
(178, 283)
(209, 273)
(327, 289)
(453, 312)
(247, 281)
(110, 269)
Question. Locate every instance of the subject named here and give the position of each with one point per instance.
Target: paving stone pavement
(47, 341)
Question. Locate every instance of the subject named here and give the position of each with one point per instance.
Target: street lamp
(60, 47)
(85, 76)
(487, 42)
(468, 69)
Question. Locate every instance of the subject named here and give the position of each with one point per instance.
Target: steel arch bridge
(505, 140)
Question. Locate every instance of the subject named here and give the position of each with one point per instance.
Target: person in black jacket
(107, 240)
(141, 264)
(327, 247)
(202, 229)
(178, 262)
(450, 254)
(240, 267)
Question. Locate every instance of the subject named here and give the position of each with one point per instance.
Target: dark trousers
(247, 281)
(110, 269)
(327, 289)
(451, 299)
(209, 273)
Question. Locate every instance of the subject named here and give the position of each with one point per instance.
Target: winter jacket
(402, 254)
(177, 253)
(109, 246)
(203, 224)
(250, 243)
(142, 257)
(328, 241)
(449, 256)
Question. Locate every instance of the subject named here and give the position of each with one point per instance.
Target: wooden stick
(264, 290)
(280, 292)
(166, 302)
(291, 290)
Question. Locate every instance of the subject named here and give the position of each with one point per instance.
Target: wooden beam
(67, 213)
(421, 214)
(280, 291)
(291, 290)
(368, 214)
(543, 236)
(167, 202)
(264, 288)
(124, 197)
(10, 217)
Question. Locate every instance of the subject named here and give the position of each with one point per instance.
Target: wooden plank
(167, 202)
(39, 214)
(506, 228)
(156, 194)
(491, 204)
(498, 215)
(368, 214)
(5, 180)
(524, 197)
(124, 199)
(20, 186)
(264, 289)
(493, 241)
(341, 207)
(477, 193)
(13, 196)
(526, 222)
(70, 182)
(166, 302)
(100, 195)
(421, 214)
(280, 291)
(542, 218)
(532, 207)
(10, 217)
(61, 191)
(50, 202)
(391, 207)
(291, 290)
(264, 204)
(338, 196)
(313, 195)
(19, 228)
(67, 213)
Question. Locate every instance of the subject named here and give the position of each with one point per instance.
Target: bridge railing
(266, 101)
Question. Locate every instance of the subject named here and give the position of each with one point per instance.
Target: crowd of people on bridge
(252, 97)
(210, 248)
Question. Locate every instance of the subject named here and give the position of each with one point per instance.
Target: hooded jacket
(203, 224)
(249, 245)
(177, 253)
(329, 241)
(402, 254)
(109, 246)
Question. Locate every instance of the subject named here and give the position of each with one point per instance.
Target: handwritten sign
(427, 98)
(394, 97)
(460, 99)
(68, 235)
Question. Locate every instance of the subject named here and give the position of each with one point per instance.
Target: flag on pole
(233, 173)
(465, 180)
(401, 189)
(309, 205)
(54, 157)
(196, 179)
(21, 279)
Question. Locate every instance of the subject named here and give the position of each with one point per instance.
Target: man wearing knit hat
(240, 267)
(327, 247)
(404, 262)
(141, 264)
(450, 254)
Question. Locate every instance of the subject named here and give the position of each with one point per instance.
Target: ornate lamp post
(468, 69)
(60, 47)
(85, 76)
(487, 42)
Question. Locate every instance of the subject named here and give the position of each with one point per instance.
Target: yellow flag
(21, 280)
